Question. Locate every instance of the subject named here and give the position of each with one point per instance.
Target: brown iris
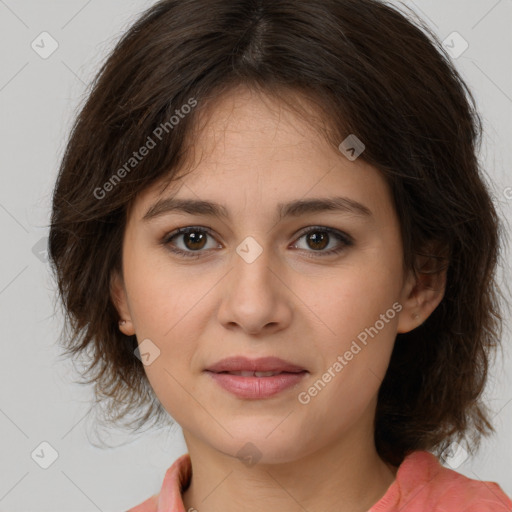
(194, 240)
(317, 239)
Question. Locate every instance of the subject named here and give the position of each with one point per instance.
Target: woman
(270, 224)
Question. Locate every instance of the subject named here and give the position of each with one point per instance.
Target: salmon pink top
(422, 484)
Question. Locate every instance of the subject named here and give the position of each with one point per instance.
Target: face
(322, 289)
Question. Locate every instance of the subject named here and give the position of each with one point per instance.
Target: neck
(345, 476)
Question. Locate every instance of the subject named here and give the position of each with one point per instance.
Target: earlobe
(119, 299)
(422, 293)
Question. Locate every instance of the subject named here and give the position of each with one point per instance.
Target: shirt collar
(176, 480)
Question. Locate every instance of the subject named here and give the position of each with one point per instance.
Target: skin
(291, 302)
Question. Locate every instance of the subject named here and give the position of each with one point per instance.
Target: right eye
(193, 240)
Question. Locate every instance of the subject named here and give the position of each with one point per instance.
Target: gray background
(38, 399)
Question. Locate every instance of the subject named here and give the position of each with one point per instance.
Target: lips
(254, 374)
(261, 367)
(256, 379)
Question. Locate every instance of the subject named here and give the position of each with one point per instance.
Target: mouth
(256, 379)
(257, 374)
(252, 387)
(261, 367)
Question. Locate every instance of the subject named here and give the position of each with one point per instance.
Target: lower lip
(256, 387)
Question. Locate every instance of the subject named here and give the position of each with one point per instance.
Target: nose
(255, 297)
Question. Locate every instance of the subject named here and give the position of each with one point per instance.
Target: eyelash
(342, 237)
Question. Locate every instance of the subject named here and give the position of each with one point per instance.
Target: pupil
(315, 238)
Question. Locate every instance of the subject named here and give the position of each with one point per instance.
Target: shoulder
(422, 478)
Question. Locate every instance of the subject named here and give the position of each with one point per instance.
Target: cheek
(357, 314)
(355, 357)
(169, 374)
(161, 295)
(351, 298)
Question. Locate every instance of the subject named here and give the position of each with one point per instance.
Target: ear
(423, 290)
(120, 301)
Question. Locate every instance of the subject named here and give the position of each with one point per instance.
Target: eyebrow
(291, 209)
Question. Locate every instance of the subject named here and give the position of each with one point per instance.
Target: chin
(253, 445)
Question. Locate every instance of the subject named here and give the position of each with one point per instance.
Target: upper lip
(262, 364)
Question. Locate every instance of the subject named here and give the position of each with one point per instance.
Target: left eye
(317, 239)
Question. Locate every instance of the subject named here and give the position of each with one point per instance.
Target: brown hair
(369, 71)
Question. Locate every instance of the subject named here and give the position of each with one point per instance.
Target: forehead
(244, 120)
(250, 147)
